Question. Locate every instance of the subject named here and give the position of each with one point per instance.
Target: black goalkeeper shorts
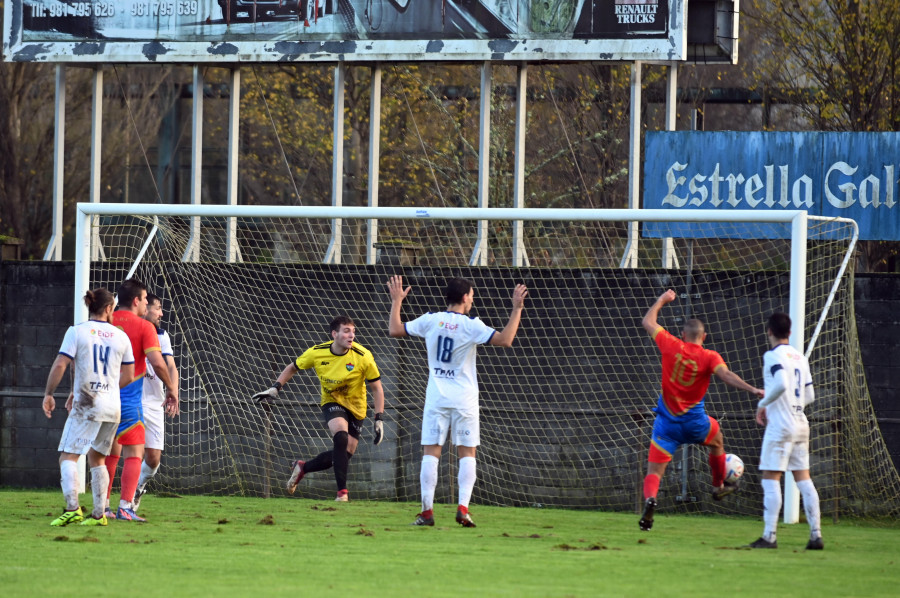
(333, 410)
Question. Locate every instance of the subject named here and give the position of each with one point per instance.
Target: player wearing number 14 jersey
(680, 415)
(103, 362)
(451, 398)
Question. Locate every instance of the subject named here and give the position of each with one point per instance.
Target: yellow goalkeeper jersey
(343, 377)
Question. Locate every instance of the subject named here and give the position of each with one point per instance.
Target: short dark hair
(779, 324)
(693, 329)
(129, 291)
(340, 321)
(457, 288)
(98, 299)
(151, 299)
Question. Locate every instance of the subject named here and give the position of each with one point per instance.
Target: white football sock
(428, 478)
(147, 474)
(99, 482)
(772, 507)
(68, 471)
(811, 507)
(466, 480)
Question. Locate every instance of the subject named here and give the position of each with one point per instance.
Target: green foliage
(574, 150)
(837, 61)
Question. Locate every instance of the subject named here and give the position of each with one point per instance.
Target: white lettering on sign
(772, 187)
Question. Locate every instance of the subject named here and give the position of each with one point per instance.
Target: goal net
(566, 413)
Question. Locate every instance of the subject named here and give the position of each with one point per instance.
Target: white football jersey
(154, 392)
(451, 339)
(786, 420)
(98, 351)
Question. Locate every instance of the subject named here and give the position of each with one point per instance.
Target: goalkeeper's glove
(379, 428)
(262, 398)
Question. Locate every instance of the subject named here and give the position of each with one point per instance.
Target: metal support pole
(374, 155)
(480, 253)
(232, 248)
(669, 259)
(630, 255)
(54, 247)
(192, 251)
(333, 253)
(96, 153)
(520, 255)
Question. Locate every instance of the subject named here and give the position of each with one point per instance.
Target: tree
(837, 61)
(27, 93)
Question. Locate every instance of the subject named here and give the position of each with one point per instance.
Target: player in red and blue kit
(129, 317)
(680, 415)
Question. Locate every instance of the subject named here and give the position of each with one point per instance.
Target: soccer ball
(734, 468)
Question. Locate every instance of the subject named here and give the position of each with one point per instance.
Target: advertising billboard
(192, 31)
(840, 174)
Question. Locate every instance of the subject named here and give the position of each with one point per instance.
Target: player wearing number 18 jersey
(680, 414)
(451, 398)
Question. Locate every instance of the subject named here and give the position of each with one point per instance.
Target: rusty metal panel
(229, 31)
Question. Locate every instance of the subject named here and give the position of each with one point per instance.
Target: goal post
(565, 413)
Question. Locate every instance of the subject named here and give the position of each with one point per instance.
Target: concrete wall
(877, 304)
(35, 310)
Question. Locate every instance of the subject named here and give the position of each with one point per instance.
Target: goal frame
(87, 242)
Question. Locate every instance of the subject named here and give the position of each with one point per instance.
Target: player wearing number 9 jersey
(789, 389)
(680, 414)
(451, 397)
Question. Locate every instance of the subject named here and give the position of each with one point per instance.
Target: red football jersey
(686, 370)
(142, 335)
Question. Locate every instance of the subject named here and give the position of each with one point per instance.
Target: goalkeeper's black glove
(379, 428)
(270, 394)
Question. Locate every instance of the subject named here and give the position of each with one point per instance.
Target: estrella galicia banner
(332, 30)
(849, 175)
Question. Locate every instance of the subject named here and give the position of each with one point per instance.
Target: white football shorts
(81, 434)
(154, 426)
(784, 455)
(463, 422)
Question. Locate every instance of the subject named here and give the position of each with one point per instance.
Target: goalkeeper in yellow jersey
(344, 368)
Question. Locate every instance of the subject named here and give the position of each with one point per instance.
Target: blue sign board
(850, 175)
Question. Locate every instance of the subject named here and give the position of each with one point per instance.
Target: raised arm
(505, 337)
(649, 322)
(398, 294)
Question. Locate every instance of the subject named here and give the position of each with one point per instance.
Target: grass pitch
(229, 546)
